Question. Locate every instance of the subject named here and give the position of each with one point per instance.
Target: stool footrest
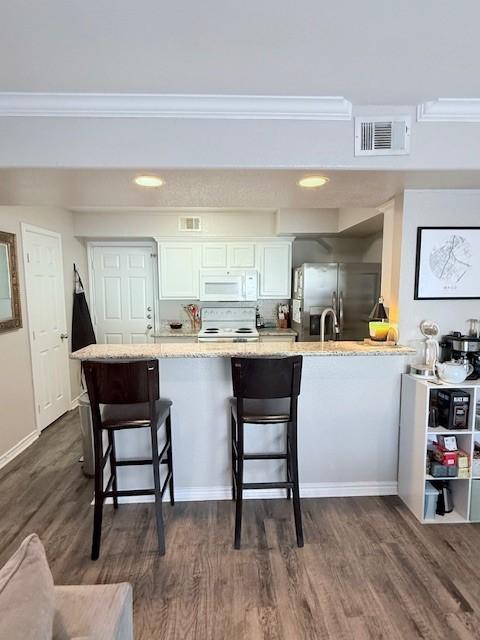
(139, 461)
(268, 485)
(133, 463)
(106, 456)
(165, 484)
(264, 456)
(129, 492)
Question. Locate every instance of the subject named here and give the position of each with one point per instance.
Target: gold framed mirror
(10, 312)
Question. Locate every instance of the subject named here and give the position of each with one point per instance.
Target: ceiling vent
(189, 223)
(388, 136)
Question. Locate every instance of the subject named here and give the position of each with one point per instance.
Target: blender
(429, 351)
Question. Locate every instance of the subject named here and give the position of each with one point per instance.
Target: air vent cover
(388, 136)
(189, 223)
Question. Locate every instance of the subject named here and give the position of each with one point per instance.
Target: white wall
(328, 249)
(351, 216)
(173, 309)
(140, 224)
(347, 443)
(373, 246)
(298, 221)
(433, 208)
(249, 144)
(17, 418)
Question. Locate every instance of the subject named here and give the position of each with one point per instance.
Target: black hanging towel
(82, 328)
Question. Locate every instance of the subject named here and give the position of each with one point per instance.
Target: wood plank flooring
(368, 569)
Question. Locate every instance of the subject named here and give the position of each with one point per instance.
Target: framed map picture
(448, 263)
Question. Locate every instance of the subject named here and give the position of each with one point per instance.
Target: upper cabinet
(274, 263)
(228, 255)
(241, 255)
(214, 255)
(179, 264)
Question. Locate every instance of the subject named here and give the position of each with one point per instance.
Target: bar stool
(129, 391)
(266, 392)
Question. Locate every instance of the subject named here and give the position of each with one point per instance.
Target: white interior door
(123, 294)
(45, 295)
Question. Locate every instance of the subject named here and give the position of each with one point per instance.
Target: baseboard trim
(74, 404)
(320, 490)
(16, 450)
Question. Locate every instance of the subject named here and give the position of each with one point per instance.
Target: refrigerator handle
(340, 311)
(334, 301)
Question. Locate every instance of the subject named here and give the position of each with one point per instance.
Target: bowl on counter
(175, 325)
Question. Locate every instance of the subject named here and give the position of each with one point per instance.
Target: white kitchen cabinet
(274, 263)
(179, 266)
(214, 255)
(241, 255)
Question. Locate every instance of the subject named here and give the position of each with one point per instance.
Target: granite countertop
(275, 331)
(187, 332)
(166, 332)
(229, 349)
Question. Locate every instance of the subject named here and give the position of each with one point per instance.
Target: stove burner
(243, 330)
(211, 330)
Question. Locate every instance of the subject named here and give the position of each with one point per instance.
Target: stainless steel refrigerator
(351, 289)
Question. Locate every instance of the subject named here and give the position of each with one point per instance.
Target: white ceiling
(270, 189)
(374, 52)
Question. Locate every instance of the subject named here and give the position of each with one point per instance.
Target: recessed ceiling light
(310, 182)
(148, 181)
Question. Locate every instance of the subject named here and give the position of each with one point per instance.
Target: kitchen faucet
(336, 328)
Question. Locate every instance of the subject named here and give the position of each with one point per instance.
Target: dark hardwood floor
(368, 569)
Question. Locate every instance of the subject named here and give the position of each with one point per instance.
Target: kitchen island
(348, 417)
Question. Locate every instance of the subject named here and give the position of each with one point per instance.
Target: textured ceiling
(217, 189)
(373, 52)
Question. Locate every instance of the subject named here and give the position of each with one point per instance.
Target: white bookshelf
(414, 437)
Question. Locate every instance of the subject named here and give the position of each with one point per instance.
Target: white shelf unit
(414, 437)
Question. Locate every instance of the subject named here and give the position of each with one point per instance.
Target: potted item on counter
(378, 325)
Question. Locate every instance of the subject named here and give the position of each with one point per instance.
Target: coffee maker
(456, 346)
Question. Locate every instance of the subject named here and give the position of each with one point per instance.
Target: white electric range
(228, 324)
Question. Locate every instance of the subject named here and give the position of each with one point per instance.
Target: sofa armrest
(97, 612)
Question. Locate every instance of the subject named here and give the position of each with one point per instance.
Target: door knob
(63, 336)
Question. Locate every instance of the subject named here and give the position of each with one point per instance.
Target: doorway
(45, 298)
(122, 285)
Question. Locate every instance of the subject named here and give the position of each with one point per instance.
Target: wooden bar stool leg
(113, 466)
(98, 499)
(168, 427)
(158, 491)
(296, 488)
(239, 488)
(234, 462)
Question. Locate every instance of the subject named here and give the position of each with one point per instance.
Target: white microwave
(233, 285)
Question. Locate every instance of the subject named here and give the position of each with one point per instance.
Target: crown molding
(112, 105)
(449, 110)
